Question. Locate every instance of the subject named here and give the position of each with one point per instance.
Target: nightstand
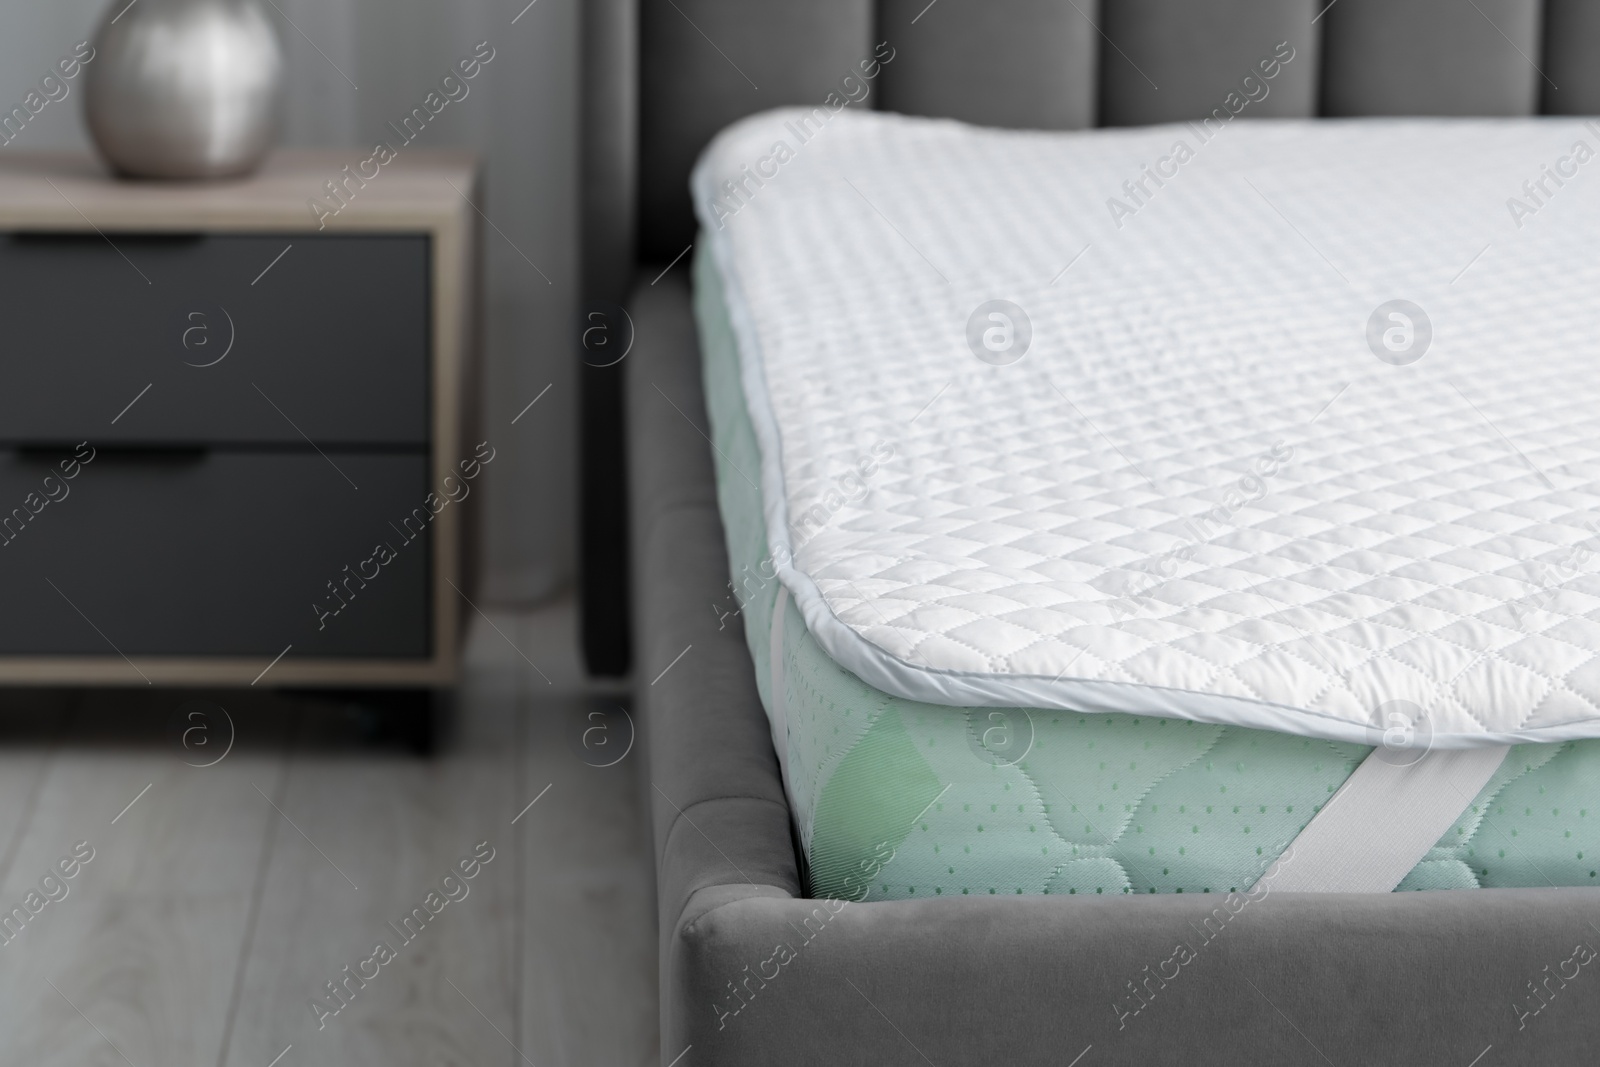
(237, 448)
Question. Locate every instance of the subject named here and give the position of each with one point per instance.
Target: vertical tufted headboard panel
(705, 63)
(1171, 60)
(1432, 57)
(1571, 82)
(1019, 63)
(1067, 64)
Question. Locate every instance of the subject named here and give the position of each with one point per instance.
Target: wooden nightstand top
(420, 189)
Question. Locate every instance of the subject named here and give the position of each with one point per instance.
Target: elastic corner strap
(1382, 821)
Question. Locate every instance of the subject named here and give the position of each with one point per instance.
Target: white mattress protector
(1223, 481)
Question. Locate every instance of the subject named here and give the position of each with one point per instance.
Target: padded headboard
(1066, 64)
(663, 76)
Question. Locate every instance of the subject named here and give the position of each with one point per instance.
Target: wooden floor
(221, 900)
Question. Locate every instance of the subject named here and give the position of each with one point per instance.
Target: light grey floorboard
(363, 838)
(135, 963)
(219, 904)
(32, 726)
(589, 987)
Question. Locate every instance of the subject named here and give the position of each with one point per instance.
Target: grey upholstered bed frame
(1419, 978)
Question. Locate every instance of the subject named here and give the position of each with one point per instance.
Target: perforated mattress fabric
(1279, 424)
(901, 799)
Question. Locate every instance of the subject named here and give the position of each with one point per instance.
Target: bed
(1110, 906)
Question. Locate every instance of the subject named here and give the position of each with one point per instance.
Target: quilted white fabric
(1202, 491)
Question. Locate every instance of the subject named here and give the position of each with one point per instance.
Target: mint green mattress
(895, 799)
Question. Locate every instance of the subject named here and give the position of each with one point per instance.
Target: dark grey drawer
(332, 342)
(213, 553)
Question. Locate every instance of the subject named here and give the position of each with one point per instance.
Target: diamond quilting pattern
(1100, 804)
(1201, 476)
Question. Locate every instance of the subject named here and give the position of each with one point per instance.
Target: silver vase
(183, 88)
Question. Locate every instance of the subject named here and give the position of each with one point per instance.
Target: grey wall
(520, 117)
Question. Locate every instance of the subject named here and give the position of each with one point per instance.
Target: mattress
(972, 699)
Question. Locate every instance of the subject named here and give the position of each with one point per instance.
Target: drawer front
(331, 343)
(190, 553)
